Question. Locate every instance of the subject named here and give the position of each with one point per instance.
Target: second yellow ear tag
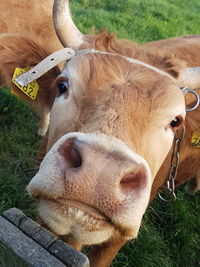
(195, 142)
(30, 89)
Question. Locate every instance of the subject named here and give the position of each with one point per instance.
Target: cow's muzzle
(92, 181)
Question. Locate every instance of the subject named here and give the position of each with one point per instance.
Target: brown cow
(112, 126)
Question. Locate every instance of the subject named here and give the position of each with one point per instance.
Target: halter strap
(66, 54)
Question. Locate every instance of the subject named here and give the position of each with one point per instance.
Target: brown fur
(186, 49)
(31, 17)
(102, 255)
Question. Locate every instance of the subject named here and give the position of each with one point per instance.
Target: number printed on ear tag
(195, 142)
(30, 89)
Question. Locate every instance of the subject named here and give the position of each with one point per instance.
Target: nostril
(71, 153)
(135, 180)
(74, 158)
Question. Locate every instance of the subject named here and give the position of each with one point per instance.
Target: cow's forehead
(95, 72)
(112, 89)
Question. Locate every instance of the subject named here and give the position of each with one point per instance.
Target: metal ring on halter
(171, 194)
(195, 94)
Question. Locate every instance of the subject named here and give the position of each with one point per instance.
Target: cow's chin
(85, 224)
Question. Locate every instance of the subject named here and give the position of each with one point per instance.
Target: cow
(114, 115)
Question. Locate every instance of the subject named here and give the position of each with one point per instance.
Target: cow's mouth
(85, 223)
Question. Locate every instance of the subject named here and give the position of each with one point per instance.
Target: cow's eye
(176, 122)
(63, 87)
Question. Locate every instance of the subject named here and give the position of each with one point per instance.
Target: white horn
(66, 30)
(190, 78)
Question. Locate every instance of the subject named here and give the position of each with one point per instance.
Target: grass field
(170, 233)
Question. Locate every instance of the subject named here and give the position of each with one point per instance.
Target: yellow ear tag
(30, 89)
(195, 142)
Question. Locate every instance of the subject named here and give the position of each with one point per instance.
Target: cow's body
(184, 48)
(30, 17)
(112, 126)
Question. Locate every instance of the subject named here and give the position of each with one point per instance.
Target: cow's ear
(188, 77)
(171, 64)
(166, 62)
(19, 51)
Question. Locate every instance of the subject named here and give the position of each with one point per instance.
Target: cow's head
(112, 125)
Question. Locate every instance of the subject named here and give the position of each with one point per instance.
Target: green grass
(170, 233)
(140, 20)
(169, 236)
(18, 149)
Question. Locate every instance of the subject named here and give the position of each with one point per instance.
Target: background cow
(108, 134)
(32, 27)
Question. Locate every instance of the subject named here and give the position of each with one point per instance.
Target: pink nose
(83, 159)
(95, 170)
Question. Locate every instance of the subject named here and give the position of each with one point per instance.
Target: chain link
(169, 188)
